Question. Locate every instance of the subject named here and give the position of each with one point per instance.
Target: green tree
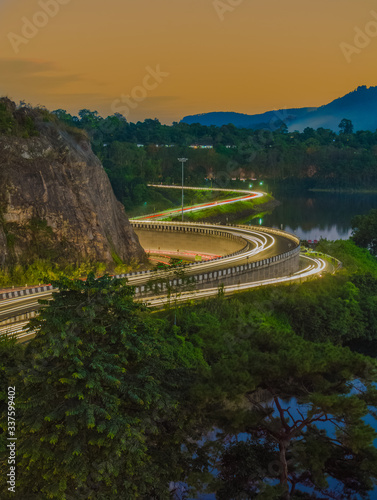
(364, 231)
(346, 126)
(306, 403)
(11, 356)
(64, 117)
(243, 467)
(100, 386)
(7, 122)
(90, 119)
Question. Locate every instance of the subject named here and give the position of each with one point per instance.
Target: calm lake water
(312, 215)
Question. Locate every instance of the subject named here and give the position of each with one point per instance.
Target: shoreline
(343, 191)
(228, 217)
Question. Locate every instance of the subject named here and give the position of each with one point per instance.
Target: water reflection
(317, 215)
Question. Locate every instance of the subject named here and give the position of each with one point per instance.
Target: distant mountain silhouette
(359, 106)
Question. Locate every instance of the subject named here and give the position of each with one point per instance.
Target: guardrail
(221, 274)
(24, 292)
(211, 230)
(271, 230)
(334, 261)
(199, 278)
(201, 228)
(190, 228)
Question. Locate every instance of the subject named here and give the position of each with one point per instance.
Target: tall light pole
(183, 161)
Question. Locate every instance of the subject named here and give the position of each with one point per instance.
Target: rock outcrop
(56, 200)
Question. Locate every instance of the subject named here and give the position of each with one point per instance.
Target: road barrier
(276, 266)
(13, 294)
(273, 267)
(201, 229)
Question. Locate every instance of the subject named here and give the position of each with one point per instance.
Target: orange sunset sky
(251, 57)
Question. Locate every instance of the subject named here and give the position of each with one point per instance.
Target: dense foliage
(113, 401)
(311, 159)
(365, 231)
(11, 357)
(47, 270)
(20, 122)
(98, 390)
(305, 402)
(135, 154)
(277, 382)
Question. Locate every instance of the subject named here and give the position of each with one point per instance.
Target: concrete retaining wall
(175, 237)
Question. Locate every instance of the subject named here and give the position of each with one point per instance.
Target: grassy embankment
(160, 200)
(339, 308)
(165, 199)
(231, 208)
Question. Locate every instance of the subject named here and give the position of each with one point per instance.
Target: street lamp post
(183, 161)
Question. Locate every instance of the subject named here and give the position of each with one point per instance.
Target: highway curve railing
(201, 278)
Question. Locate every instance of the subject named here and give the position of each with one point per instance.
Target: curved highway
(259, 244)
(314, 266)
(262, 244)
(246, 196)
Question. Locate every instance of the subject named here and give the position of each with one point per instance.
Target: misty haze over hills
(359, 106)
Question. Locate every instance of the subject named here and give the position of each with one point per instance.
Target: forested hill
(359, 106)
(270, 120)
(135, 154)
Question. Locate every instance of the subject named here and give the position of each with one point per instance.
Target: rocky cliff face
(55, 198)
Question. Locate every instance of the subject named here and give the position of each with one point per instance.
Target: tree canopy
(310, 159)
(100, 386)
(241, 397)
(293, 411)
(364, 231)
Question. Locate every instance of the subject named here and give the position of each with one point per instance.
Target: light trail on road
(259, 245)
(316, 266)
(171, 253)
(247, 196)
(262, 247)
